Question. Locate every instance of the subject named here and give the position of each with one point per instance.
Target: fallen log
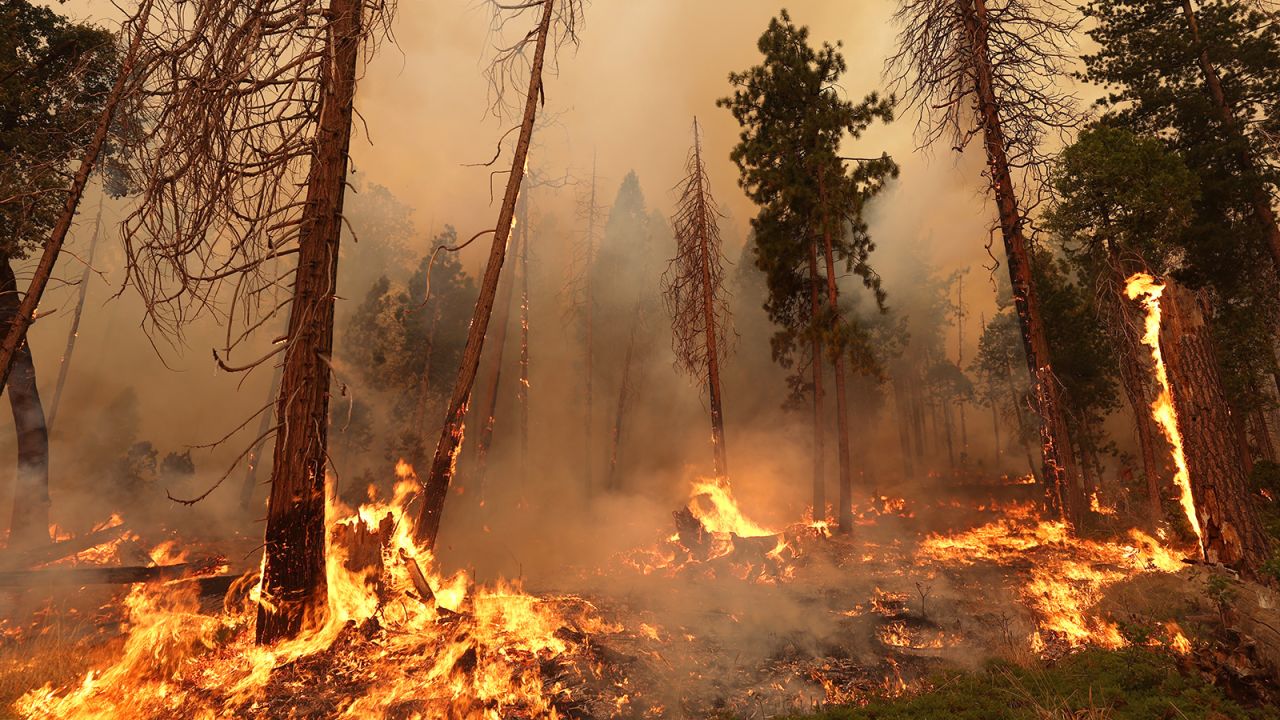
(118, 575)
(56, 551)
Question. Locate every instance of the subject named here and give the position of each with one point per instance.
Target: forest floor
(969, 603)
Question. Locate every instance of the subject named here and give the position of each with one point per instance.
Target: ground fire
(585, 360)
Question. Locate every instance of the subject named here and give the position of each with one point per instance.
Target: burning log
(120, 575)
(49, 553)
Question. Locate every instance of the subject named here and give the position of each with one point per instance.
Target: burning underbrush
(723, 615)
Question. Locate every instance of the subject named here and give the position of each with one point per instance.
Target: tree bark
(1230, 529)
(819, 427)
(29, 526)
(1060, 474)
(16, 333)
(1260, 198)
(436, 488)
(65, 365)
(294, 589)
(845, 514)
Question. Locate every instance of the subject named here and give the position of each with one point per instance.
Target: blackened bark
(294, 588)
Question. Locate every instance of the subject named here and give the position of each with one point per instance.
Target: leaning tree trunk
(499, 344)
(30, 524)
(1060, 474)
(1230, 530)
(845, 514)
(624, 397)
(436, 488)
(64, 366)
(1260, 198)
(819, 419)
(294, 588)
(16, 334)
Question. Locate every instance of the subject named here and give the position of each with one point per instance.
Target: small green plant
(1222, 592)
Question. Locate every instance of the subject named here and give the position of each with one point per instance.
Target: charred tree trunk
(499, 345)
(294, 589)
(1060, 475)
(819, 421)
(436, 488)
(29, 526)
(65, 365)
(845, 514)
(1230, 529)
(1260, 198)
(16, 333)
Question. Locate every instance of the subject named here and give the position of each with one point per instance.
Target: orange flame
(1142, 285)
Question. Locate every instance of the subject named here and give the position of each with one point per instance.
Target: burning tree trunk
(819, 419)
(65, 365)
(436, 487)
(16, 334)
(30, 519)
(293, 575)
(499, 344)
(694, 290)
(1194, 411)
(1260, 199)
(845, 513)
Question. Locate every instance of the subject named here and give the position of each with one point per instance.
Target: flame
(723, 515)
(1150, 290)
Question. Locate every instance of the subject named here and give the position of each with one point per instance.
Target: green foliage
(1149, 63)
(1131, 684)
(54, 77)
(794, 119)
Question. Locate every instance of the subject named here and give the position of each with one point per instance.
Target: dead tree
(243, 171)
(64, 365)
(974, 69)
(436, 488)
(126, 82)
(29, 526)
(693, 287)
(626, 389)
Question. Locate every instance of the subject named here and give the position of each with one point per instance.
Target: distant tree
(795, 120)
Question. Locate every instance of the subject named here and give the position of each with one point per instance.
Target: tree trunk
(904, 427)
(624, 395)
(819, 427)
(436, 488)
(944, 407)
(1262, 435)
(1230, 531)
(503, 302)
(589, 346)
(713, 363)
(16, 334)
(1260, 198)
(1060, 474)
(29, 526)
(995, 429)
(65, 365)
(845, 514)
(294, 590)
(522, 390)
